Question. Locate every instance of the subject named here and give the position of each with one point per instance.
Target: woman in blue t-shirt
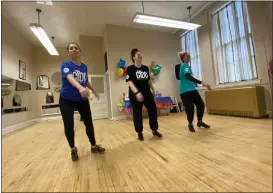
(74, 95)
(189, 94)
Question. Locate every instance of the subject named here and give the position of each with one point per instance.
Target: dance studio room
(136, 96)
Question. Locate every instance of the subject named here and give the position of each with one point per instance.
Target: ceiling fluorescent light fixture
(165, 22)
(40, 33)
(46, 2)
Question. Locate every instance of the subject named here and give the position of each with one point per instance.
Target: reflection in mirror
(6, 82)
(15, 95)
(57, 89)
(42, 82)
(49, 98)
(5, 91)
(56, 78)
(16, 100)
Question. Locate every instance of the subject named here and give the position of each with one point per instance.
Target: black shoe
(202, 124)
(157, 134)
(140, 137)
(97, 149)
(74, 154)
(191, 128)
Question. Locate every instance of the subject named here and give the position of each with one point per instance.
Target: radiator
(245, 102)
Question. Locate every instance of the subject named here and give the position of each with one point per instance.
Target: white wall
(15, 47)
(155, 46)
(261, 24)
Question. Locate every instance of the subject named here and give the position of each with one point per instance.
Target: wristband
(137, 92)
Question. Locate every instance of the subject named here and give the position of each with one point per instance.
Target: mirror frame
(47, 97)
(60, 79)
(16, 87)
(22, 75)
(19, 98)
(42, 88)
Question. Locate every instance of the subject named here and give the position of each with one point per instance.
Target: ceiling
(67, 20)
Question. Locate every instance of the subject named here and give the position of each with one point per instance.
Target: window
(189, 43)
(234, 53)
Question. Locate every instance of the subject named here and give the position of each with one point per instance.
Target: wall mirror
(56, 78)
(49, 98)
(16, 100)
(15, 95)
(42, 82)
(22, 70)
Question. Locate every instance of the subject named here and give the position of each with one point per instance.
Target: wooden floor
(234, 155)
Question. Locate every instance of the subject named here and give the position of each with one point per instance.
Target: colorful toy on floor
(161, 102)
(121, 103)
(157, 94)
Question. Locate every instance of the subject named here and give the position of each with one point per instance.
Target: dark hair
(67, 48)
(133, 52)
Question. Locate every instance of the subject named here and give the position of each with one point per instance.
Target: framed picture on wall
(22, 70)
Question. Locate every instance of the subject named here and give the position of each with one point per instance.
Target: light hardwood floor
(234, 155)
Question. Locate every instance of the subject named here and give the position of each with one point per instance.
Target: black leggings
(137, 111)
(67, 108)
(189, 99)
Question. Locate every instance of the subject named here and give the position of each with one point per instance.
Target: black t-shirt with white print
(140, 77)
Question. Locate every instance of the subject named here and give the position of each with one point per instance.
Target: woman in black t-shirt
(140, 93)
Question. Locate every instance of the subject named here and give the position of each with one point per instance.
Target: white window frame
(216, 72)
(193, 56)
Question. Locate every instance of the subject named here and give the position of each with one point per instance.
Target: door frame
(105, 88)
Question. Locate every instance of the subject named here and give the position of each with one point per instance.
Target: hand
(84, 92)
(139, 97)
(96, 95)
(206, 85)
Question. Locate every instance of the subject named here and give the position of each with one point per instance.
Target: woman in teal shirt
(189, 94)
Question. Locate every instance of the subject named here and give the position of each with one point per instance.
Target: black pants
(137, 111)
(190, 99)
(67, 108)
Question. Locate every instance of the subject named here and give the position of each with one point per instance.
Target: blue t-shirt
(68, 91)
(185, 84)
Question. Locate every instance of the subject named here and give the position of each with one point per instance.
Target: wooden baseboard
(13, 128)
(119, 118)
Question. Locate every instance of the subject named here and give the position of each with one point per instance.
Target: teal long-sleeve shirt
(186, 85)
